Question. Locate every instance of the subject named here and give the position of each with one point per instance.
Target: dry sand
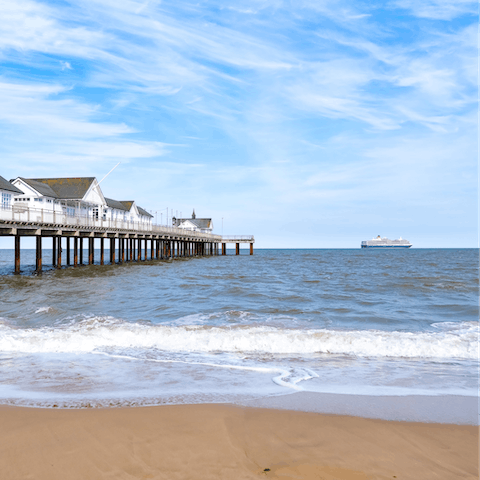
(226, 442)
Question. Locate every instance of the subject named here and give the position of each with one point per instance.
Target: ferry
(380, 242)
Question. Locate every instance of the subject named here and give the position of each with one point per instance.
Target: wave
(100, 333)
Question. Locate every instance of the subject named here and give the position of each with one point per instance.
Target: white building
(81, 197)
(194, 224)
(137, 214)
(49, 199)
(7, 193)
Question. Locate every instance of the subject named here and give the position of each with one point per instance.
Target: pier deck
(128, 240)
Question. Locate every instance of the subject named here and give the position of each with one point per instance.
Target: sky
(307, 123)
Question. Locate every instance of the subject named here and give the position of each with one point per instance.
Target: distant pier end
(237, 240)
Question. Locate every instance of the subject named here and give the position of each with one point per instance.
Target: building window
(71, 211)
(6, 200)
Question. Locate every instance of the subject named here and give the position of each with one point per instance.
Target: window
(6, 199)
(71, 211)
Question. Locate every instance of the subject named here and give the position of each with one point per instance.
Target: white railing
(238, 237)
(21, 213)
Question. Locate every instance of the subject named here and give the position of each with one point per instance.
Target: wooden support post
(90, 250)
(67, 241)
(75, 251)
(157, 249)
(237, 249)
(131, 249)
(80, 249)
(251, 249)
(112, 251)
(224, 248)
(139, 250)
(102, 251)
(123, 250)
(17, 254)
(38, 254)
(59, 252)
(54, 251)
(38, 259)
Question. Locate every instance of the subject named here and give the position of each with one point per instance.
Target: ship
(380, 242)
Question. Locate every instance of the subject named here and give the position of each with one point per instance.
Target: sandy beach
(227, 442)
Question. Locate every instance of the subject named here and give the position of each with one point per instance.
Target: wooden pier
(237, 240)
(130, 244)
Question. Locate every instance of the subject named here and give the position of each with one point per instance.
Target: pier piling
(38, 254)
(59, 251)
(54, 251)
(75, 251)
(67, 239)
(17, 254)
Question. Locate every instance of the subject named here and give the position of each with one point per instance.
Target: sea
(392, 332)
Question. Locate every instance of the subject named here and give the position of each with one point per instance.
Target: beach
(227, 442)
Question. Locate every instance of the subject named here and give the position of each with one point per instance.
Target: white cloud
(439, 9)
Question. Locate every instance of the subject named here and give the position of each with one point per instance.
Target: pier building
(73, 210)
(194, 224)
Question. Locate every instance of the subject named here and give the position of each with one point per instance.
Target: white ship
(380, 242)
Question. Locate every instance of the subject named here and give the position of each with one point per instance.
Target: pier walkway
(128, 241)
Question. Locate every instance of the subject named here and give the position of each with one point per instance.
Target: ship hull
(386, 246)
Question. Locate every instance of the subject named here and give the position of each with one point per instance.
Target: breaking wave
(99, 333)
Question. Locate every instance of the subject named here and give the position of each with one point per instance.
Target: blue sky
(306, 123)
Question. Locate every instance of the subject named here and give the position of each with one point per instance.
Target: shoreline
(225, 441)
(429, 409)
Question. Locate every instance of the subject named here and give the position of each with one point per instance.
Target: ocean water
(373, 323)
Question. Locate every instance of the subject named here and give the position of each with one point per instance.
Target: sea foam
(99, 333)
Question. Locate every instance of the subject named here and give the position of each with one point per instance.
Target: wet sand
(227, 442)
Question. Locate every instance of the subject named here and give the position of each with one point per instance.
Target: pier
(126, 241)
(237, 240)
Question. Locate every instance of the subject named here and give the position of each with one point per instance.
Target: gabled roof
(40, 187)
(127, 203)
(6, 185)
(67, 188)
(143, 212)
(116, 204)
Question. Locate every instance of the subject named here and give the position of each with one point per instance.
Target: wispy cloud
(268, 99)
(439, 9)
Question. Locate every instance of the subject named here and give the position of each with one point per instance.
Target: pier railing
(238, 238)
(37, 216)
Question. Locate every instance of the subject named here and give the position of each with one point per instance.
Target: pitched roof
(143, 212)
(116, 204)
(199, 222)
(40, 187)
(127, 203)
(6, 185)
(67, 188)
